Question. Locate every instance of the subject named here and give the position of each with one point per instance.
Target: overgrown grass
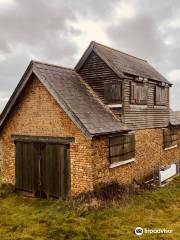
(27, 219)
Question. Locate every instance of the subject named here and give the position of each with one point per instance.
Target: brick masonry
(38, 114)
(149, 154)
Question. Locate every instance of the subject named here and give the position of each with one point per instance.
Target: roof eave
(110, 133)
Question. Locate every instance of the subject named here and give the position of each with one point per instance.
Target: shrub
(104, 192)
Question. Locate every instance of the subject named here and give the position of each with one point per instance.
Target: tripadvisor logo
(139, 231)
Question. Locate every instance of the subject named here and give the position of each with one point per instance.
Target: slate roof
(122, 63)
(175, 118)
(73, 95)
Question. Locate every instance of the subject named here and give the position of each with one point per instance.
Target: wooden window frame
(107, 96)
(163, 99)
(170, 138)
(124, 139)
(135, 93)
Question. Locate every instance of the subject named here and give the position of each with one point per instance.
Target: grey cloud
(144, 35)
(138, 36)
(38, 26)
(93, 9)
(4, 48)
(33, 29)
(43, 30)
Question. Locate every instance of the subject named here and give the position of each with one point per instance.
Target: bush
(104, 192)
(110, 191)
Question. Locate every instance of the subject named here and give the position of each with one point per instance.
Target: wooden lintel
(44, 139)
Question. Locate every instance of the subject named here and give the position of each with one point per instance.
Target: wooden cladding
(96, 73)
(135, 91)
(170, 137)
(161, 96)
(43, 168)
(139, 93)
(113, 92)
(121, 147)
(143, 116)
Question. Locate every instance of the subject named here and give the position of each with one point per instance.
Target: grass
(27, 218)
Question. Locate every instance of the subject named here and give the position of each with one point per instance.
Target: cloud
(174, 75)
(151, 32)
(58, 31)
(33, 30)
(43, 30)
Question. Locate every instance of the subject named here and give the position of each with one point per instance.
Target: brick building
(64, 131)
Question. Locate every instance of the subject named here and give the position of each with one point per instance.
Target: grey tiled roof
(123, 63)
(79, 102)
(175, 118)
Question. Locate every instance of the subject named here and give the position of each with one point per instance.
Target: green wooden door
(55, 170)
(43, 168)
(26, 167)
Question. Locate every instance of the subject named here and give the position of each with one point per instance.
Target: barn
(64, 130)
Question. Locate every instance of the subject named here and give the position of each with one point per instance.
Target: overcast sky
(58, 31)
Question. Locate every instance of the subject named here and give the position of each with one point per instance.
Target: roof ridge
(93, 42)
(50, 64)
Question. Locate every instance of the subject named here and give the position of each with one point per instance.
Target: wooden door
(43, 168)
(26, 167)
(55, 170)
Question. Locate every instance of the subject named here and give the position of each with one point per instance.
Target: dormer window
(161, 95)
(138, 93)
(113, 92)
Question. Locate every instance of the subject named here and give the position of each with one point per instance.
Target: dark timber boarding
(43, 168)
(121, 148)
(96, 73)
(26, 167)
(146, 116)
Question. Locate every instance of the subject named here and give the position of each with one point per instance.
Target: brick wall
(149, 153)
(38, 114)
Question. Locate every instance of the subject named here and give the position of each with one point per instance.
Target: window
(138, 93)
(161, 95)
(121, 148)
(170, 137)
(113, 92)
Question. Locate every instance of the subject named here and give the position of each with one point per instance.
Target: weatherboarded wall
(38, 114)
(149, 154)
(96, 73)
(144, 116)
